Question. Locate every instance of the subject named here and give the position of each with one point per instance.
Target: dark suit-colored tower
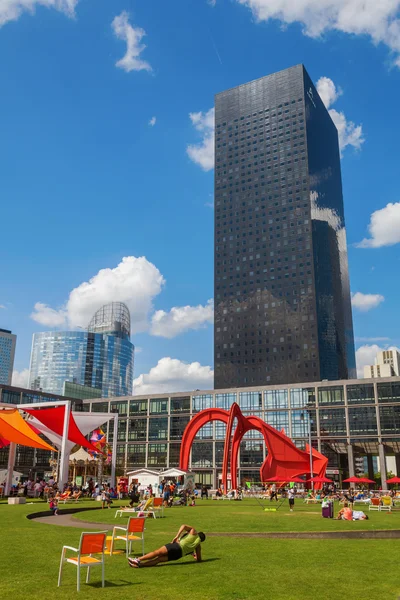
(282, 295)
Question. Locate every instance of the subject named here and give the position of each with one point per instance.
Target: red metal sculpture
(284, 459)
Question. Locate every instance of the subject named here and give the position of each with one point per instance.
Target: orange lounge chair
(135, 526)
(90, 543)
(375, 504)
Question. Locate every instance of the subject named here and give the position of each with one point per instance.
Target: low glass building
(348, 420)
(101, 357)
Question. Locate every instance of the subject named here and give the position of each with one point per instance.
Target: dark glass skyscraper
(282, 296)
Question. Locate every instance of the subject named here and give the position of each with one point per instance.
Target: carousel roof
(81, 455)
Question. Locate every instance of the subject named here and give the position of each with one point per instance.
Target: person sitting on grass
(181, 545)
(345, 513)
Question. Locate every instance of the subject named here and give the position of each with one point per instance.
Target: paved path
(70, 521)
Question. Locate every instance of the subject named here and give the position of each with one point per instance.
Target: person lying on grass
(181, 545)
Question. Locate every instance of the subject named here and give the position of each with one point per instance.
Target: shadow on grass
(178, 564)
(113, 584)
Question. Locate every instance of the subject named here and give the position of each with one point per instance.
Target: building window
(390, 419)
(137, 429)
(332, 421)
(302, 421)
(100, 407)
(138, 407)
(202, 455)
(174, 455)
(274, 399)
(178, 426)
(120, 407)
(121, 435)
(158, 406)
(360, 394)
(362, 421)
(330, 395)
(180, 404)
(225, 401)
(250, 400)
(202, 402)
(157, 455)
(136, 455)
(278, 419)
(302, 397)
(158, 428)
(388, 392)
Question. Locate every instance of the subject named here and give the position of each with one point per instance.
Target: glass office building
(348, 420)
(282, 296)
(101, 357)
(7, 351)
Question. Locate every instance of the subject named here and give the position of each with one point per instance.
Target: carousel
(82, 467)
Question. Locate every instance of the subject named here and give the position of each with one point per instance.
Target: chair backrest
(136, 524)
(386, 501)
(92, 542)
(157, 502)
(375, 501)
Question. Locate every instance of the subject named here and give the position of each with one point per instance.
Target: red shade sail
(53, 418)
(365, 480)
(320, 480)
(393, 480)
(358, 480)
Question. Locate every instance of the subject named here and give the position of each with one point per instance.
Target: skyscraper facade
(282, 296)
(101, 357)
(7, 351)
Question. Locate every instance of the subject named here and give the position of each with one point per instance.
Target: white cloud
(328, 91)
(203, 153)
(384, 227)
(349, 133)
(378, 20)
(173, 375)
(20, 378)
(181, 318)
(11, 10)
(365, 355)
(45, 315)
(153, 121)
(365, 302)
(2, 306)
(135, 281)
(132, 36)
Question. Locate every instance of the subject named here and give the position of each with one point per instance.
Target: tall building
(101, 357)
(7, 351)
(387, 364)
(282, 296)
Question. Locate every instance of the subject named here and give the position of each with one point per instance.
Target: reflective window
(362, 420)
(388, 392)
(225, 401)
(158, 428)
(331, 395)
(274, 399)
(302, 420)
(158, 406)
(202, 402)
(219, 453)
(202, 455)
(137, 429)
(157, 455)
(100, 407)
(120, 455)
(121, 435)
(178, 426)
(120, 407)
(180, 404)
(206, 432)
(332, 421)
(10, 397)
(137, 407)
(220, 430)
(250, 400)
(174, 454)
(136, 456)
(251, 453)
(360, 394)
(302, 397)
(278, 419)
(390, 419)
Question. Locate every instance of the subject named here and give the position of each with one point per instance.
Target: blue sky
(88, 176)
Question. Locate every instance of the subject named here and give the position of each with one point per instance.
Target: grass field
(233, 567)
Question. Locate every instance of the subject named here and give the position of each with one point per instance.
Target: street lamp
(305, 408)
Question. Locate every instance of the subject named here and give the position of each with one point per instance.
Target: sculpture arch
(284, 459)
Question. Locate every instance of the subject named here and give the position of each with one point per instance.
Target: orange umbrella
(14, 429)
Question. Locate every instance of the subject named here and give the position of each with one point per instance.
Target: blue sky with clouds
(106, 160)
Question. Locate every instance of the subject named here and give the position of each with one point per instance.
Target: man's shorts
(291, 501)
(174, 551)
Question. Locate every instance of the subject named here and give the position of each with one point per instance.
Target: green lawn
(234, 568)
